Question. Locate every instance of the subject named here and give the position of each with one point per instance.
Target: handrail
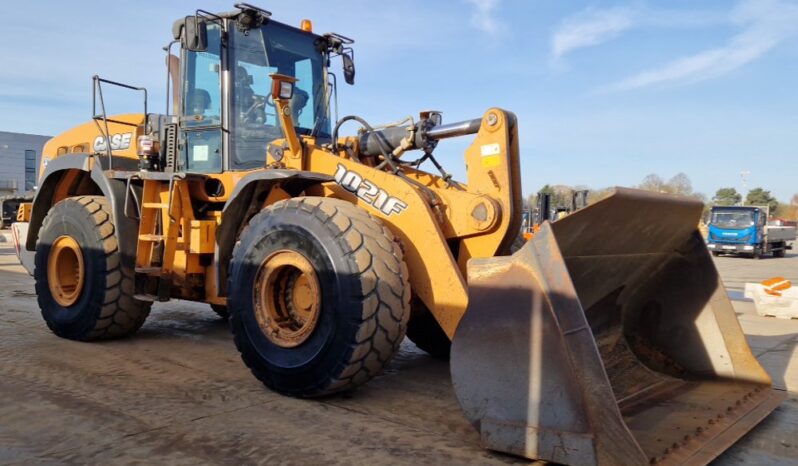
(98, 91)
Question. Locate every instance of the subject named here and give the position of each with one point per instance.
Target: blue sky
(605, 92)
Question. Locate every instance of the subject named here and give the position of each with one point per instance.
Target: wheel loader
(606, 339)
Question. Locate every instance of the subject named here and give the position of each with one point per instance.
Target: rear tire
(781, 252)
(359, 308)
(100, 305)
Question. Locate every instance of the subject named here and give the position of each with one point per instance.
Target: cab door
(201, 107)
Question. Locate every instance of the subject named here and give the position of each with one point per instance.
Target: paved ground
(775, 344)
(177, 393)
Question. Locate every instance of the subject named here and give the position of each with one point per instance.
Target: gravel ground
(177, 393)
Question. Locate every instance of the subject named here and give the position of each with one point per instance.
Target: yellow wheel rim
(287, 298)
(65, 272)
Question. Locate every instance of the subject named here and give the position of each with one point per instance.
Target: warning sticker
(491, 155)
(200, 154)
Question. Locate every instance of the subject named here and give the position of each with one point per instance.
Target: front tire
(84, 290)
(318, 296)
(221, 311)
(426, 333)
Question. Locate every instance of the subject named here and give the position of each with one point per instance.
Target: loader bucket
(608, 339)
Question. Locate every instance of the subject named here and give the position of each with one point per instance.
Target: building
(20, 155)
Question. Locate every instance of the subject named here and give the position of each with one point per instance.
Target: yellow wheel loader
(607, 339)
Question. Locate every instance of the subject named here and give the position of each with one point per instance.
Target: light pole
(744, 178)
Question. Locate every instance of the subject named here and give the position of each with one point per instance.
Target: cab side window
(202, 105)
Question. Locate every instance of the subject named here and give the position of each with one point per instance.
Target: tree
(560, 195)
(595, 195)
(653, 182)
(530, 201)
(726, 196)
(789, 211)
(759, 196)
(546, 189)
(680, 184)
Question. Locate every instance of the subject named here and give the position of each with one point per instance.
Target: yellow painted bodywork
(436, 275)
(472, 218)
(203, 237)
(81, 139)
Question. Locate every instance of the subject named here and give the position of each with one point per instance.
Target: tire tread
(121, 314)
(384, 297)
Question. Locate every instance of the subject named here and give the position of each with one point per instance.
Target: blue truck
(744, 230)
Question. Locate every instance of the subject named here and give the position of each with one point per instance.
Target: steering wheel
(259, 103)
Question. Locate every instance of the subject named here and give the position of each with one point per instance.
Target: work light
(286, 90)
(282, 86)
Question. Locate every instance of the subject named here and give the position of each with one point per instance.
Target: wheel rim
(287, 298)
(65, 272)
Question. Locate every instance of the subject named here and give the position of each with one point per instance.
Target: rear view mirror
(349, 68)
(196, 34)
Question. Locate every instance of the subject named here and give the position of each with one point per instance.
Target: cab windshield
(255, 55)
(733, 219)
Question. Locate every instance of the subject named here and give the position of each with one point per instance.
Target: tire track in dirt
(177, 393)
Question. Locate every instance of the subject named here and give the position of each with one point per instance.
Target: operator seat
(198, 100)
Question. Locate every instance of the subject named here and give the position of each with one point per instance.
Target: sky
(606, 92)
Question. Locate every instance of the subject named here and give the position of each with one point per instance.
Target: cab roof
(177, 27)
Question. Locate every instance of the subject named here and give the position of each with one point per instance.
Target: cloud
(483, 17)
(591, 27)
(765, 24)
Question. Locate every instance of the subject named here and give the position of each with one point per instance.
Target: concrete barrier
(781, 307)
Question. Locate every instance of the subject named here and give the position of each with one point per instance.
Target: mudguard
(113, 189)
(246, 200)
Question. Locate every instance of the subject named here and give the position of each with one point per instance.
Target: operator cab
(225, 113)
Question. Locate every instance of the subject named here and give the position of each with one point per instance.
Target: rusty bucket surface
(608, 339)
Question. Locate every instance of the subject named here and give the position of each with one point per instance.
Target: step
(146, 297)
(149, 270)
(153, 238)
(155, 205)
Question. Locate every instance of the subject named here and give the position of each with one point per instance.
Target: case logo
(119, 141)
(368, 191)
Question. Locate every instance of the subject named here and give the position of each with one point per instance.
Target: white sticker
(490, 149)
(200, 153)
